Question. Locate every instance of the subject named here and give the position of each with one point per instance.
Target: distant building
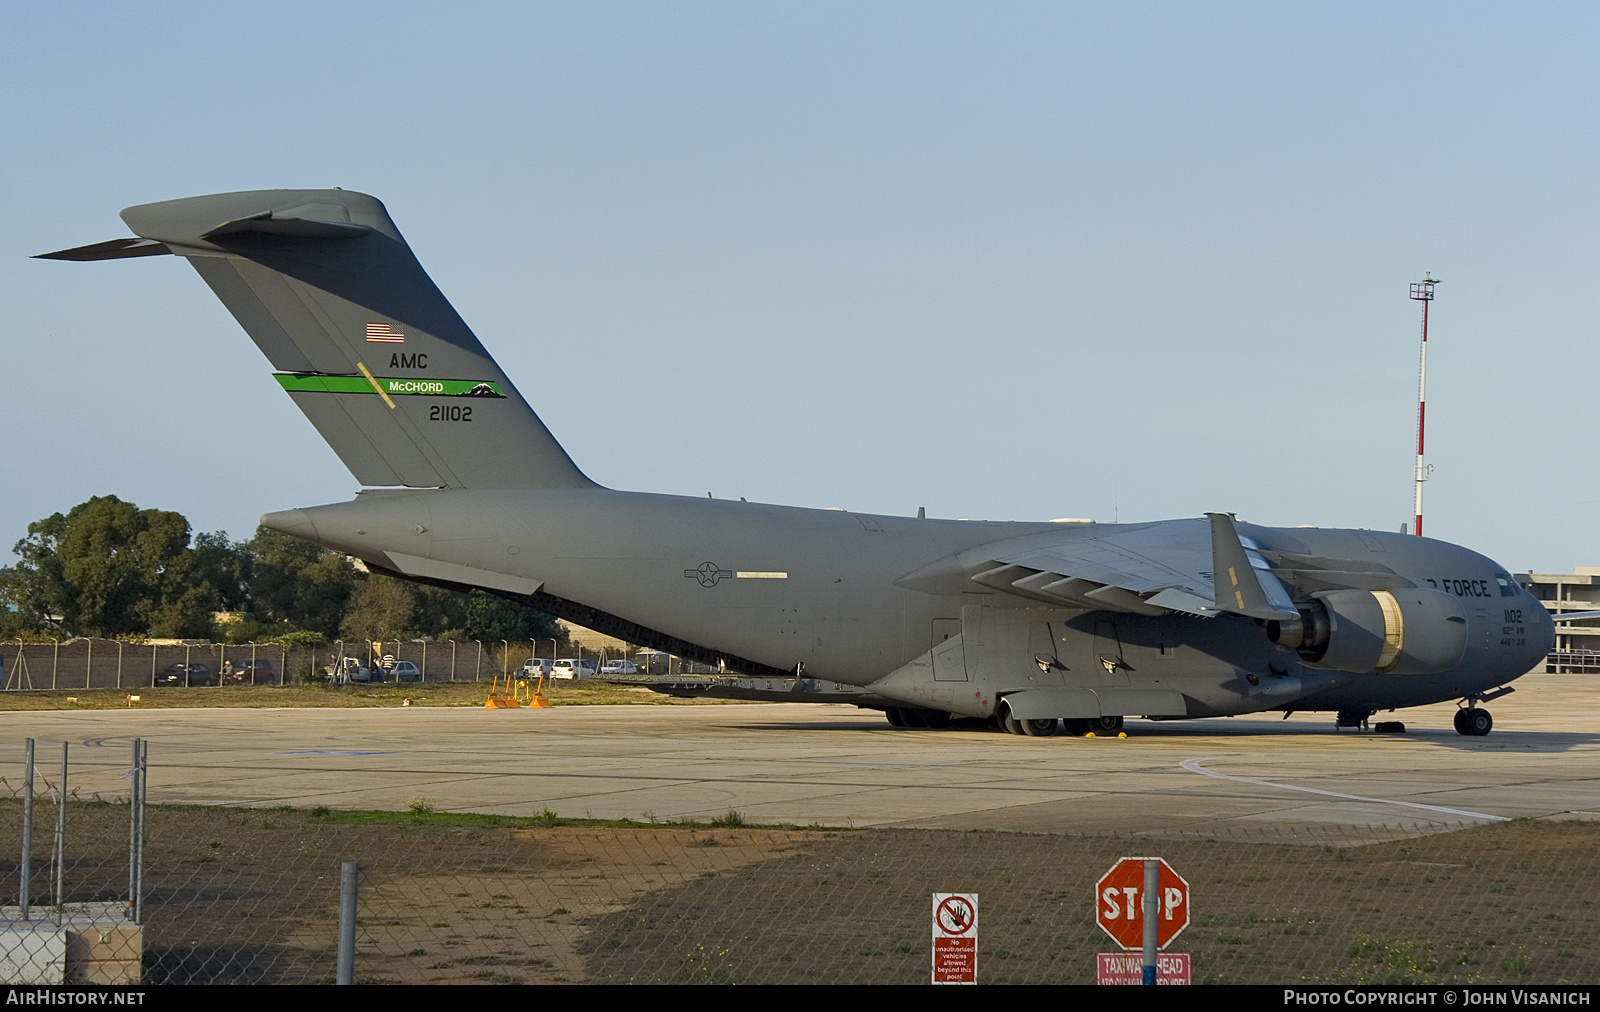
(592, 641)
(1577, 648)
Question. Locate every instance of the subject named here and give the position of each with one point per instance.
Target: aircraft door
(949, 654)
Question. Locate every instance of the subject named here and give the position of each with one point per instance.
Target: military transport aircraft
(1036, 626)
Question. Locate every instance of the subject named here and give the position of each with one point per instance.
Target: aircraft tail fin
(361, 338)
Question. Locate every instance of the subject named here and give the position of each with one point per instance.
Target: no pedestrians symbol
(955, 938)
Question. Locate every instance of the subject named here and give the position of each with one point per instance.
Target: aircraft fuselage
(811, 590)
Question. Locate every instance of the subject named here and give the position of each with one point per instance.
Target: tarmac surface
(805, 764)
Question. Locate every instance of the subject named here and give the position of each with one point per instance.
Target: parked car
(350, 669)
(533, 667)
(405, 671)
(569, 667)
(256, 672)
(622, 667)
(653, 662)
(187, 674)
(365, 674)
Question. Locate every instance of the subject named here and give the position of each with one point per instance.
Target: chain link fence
(85, 663)
(241, 895)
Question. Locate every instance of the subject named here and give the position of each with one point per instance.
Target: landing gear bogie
(915, 717)
(1010, 723)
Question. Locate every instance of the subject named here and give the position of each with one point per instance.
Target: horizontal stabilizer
(114, 249)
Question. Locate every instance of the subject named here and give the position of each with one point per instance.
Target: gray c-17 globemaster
(1035, 625)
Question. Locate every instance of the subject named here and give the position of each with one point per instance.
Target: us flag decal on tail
(385, 333)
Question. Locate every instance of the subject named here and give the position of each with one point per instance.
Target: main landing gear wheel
(1010, 723)
(1039, 728)
(1105, 725)
(1474, 721)
(894, 717)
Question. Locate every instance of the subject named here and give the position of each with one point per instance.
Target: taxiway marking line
(1193, 766)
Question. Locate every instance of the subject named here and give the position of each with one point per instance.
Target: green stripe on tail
(394, 386)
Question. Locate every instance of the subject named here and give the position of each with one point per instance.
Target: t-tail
(361, 338)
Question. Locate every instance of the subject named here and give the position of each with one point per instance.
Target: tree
(12, 621)
(108, 568)
(494, 618)
(296, 584)
(224, 566)
(380, 609)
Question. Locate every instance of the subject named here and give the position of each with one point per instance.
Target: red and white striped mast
(1422, 291)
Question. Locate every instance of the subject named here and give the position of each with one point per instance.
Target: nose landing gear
(1473, 721)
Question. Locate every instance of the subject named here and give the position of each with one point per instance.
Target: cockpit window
(1508, 586)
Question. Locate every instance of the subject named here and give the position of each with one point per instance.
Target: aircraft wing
(1573, 616)
(1196, 567)
(1126, 571)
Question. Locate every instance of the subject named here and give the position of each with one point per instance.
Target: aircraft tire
(1077, 727)
(1461, 721)
(1477, 722)
(1105, 725)
(1039, 728)
(1351, 718)
(1010, 723)
(936, 719)
(892, 714)
(912, 717)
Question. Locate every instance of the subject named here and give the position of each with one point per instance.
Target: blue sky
(1130, 261)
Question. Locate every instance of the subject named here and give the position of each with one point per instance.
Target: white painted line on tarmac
(1193, 766)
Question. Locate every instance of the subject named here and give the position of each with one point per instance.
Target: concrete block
(97, 945)
(33, 952)
(105, 953)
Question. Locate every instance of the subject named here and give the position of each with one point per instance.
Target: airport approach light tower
(1422, 291)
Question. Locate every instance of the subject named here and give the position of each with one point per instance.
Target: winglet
(1238, 589)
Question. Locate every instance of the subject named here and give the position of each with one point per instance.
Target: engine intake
(1405, 632)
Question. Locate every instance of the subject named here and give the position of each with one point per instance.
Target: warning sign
(955, 938)
(1128, 968)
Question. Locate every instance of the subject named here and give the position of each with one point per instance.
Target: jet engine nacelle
(1414, 631)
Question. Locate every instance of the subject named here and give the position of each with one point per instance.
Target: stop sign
(1119, 903)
